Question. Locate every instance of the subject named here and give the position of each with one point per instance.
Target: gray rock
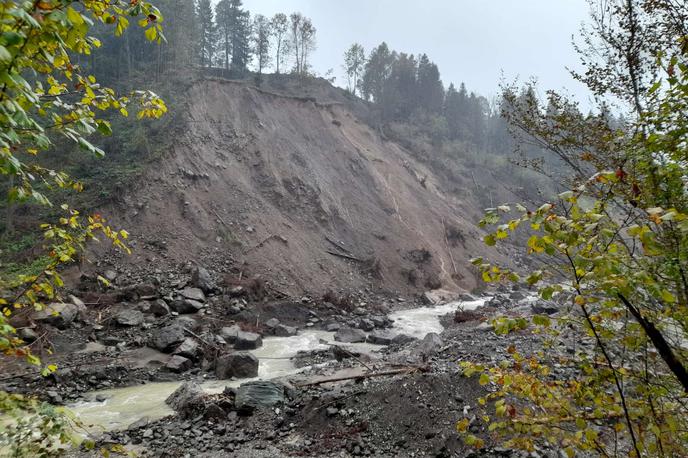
(110, 275)
(230, 333)
(240, 364)
(195, 294)
(544, 308)
(429, 298)
(56, 314)
(187, 322)
(251, 395)
(233, 309)
(349, 335)
(28, 335)
(379, 321)
(179, 363)
(129, 317)
(185, 398)
(282, 330)
(430, 345)
(360, 311)
(186, 306)
(167, 338)
(402, 339)
(333, 327)
(188, 349)
(159, 308)
(146, 290)
(379, 338)
(517, 296)
(366, 324)
(201, 278)
(271, 323)
(248, 341)
(331, 411)
(237, 291)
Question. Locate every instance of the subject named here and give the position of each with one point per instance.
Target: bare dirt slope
(264, 180)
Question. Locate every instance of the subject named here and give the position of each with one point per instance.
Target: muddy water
(125, 406)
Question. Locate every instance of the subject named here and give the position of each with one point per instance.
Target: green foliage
(45, 94)
(616, 244)
(33, 428)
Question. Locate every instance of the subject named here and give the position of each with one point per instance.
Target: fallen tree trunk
(403, 370)
(345, 256)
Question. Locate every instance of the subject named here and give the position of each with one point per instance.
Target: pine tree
(235, 30)
(430, 89)
(377, 70)
(206, 32)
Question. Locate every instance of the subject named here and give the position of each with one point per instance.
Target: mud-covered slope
(272, 183)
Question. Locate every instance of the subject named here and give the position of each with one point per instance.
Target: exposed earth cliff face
(302, 191)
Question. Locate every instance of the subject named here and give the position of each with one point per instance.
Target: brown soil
(278, 183)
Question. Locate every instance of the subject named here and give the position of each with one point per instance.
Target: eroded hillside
(301, 191)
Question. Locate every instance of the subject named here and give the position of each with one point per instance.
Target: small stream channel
(124, 406)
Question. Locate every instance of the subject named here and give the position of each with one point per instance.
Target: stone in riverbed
(272, 323)
(240, 365)
(230, 333)
(349, 335)
(57, 314)
(159, 308)
(179, 364)
(167, 338)
(248, 341)
(251, 395)
(402, 339)
(195, 294)
(430, 345)
(282, 330)
(129, 318)
(188, 349)
(379, 338)
(185, 398)
(185, 306)
(202, 279)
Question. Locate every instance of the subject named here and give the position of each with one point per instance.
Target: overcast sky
(471, 41)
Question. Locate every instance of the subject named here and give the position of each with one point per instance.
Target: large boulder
(365, 324)
(129, 317)
(349, 335)
(248, 341)
(402, 339)
(188, 349)
(186, 398)
(240, 364)
(230, 333)
(159, 308)
(201, 279)
(195, 294)
(430, 345)
(282, 330)
(380, 338)
(179, 363)
(185, 306)
(60, 315)
(251, 395)
(168, 338)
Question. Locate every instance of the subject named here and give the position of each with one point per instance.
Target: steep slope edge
(271, 184)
